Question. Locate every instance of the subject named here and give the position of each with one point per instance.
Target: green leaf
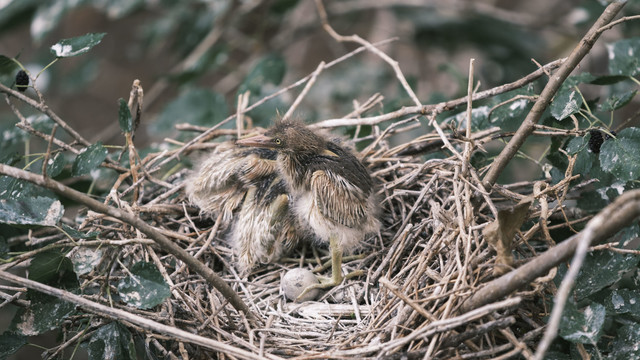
(124, 117)
(77, 45)
(53, 268)
(7, 66)
(44, 313)
(620, 156)
(623, 301)
(112, 342)
(10, 343)
(269, 70)
(13, 189)
(567, 101)
(576, 145)
(625, 345)
(89, 159)
(56, 165)
(624, 57)
(43, 211)
(145, 287)
(585, 158)
(195, 106)
(608, 79)
(617, 101)
(582, 326)
(603, 268)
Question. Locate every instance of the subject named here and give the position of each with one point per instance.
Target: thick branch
(548, 92)
(164, 242)
(622, 212)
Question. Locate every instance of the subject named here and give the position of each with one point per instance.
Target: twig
(47, 155)
(304, 91)
(243, 102)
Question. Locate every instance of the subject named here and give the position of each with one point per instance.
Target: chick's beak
(257, 141)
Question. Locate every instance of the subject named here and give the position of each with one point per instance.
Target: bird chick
(244, 186)
(332, 192)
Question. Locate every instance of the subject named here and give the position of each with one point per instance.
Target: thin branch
(304, 91)
(131, 219)
(43, 108)
(618, 22)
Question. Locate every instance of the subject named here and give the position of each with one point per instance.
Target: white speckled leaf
(112, 342)
(566, 102)
(603, 268)
(31, 211)
(582, 326)
(43, 315)
(145, 287)
(621, 156)
(624, 57)
(89, 159)
(77, 45)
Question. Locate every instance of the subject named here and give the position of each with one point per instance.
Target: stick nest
(429, 257)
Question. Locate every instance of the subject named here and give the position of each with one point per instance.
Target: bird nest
(428, 259)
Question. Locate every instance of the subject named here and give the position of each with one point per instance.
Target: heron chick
(243, 184)
(332, 192)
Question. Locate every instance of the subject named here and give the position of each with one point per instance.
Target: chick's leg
(336, 269)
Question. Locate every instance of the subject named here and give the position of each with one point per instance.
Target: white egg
(295, 281)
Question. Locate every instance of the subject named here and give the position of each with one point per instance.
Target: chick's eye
(277, 141)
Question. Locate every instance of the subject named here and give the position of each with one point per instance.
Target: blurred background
(194, 57)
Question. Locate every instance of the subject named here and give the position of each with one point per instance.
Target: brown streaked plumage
(332, 192)
(244, 185)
